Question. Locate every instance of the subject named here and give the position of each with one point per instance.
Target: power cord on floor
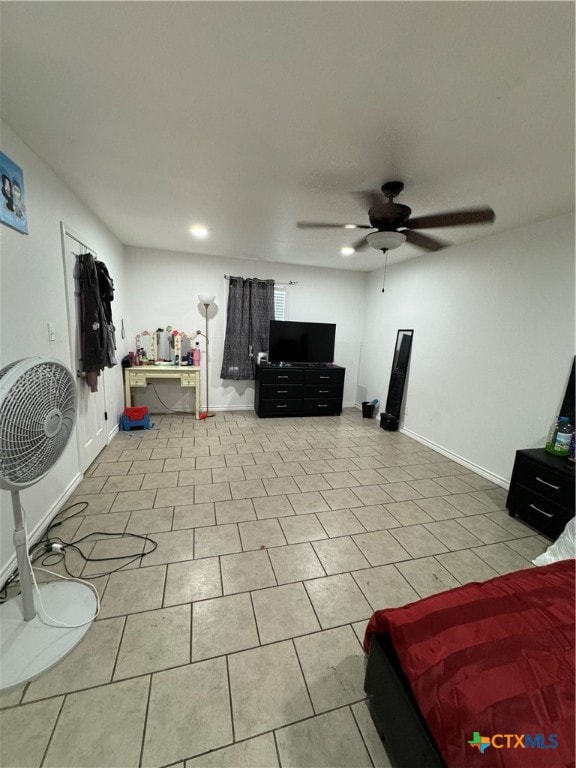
(50, 546)
(170, 410)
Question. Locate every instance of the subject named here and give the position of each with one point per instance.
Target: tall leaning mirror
(400, 364)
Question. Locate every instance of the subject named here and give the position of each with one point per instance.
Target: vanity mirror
(166, 345)
(185, 344)
(147, 341)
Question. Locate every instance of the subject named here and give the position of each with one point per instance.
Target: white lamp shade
(385, 241)
(205, 299)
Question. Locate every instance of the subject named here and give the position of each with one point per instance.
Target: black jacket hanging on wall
(96, 328)
(106, 290)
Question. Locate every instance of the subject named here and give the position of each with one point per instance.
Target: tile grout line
(277, 747)
(145, 723)
(362, 736)
(230, 702)
(190, 651)
(292, 641)
(125, 622)
(64, 697)
(312, 605)
(164, 586)
(260, 644)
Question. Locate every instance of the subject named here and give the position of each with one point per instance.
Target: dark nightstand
(542, 490)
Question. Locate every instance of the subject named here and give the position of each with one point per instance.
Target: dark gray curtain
(250, 309)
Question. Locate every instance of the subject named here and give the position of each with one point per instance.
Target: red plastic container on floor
(136, 413)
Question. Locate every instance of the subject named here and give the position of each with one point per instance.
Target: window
(279, 302)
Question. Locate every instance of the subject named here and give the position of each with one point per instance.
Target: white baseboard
(230, 408)
(41, 525)
(502, 482)
(221, 408)
(251, 407)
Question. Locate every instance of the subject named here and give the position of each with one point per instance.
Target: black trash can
(367, 409)
(389, 422)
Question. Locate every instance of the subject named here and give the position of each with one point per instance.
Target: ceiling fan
(394, 225)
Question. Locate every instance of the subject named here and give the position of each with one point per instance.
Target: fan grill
(37, 415)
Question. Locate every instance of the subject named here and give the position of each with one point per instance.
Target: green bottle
(559, 442)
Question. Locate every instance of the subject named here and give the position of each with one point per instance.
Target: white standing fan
(37, 416)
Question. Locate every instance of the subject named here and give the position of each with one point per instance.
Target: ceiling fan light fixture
(350, 226)
(385, 241)
(347, 251)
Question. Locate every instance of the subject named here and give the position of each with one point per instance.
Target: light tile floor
(237, 642)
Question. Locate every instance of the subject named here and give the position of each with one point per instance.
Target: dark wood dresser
(293, 390)
(542, 490)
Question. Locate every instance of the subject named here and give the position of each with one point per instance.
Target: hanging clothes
(96, 329)
(106, 290)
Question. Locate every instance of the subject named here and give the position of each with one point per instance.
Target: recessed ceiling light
(347, 251)
(350, 226)
(199, 231)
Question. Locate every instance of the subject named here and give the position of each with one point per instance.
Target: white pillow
(564, 548)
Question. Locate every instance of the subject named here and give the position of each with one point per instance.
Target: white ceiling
(250, 116)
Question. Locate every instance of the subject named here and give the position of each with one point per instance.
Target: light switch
(51, 332)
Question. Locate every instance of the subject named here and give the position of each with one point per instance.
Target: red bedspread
(493, 658)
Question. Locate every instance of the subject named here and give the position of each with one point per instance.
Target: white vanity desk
(165, 346)
(139, 375)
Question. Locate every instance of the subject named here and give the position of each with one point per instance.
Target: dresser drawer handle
(324, 377)
(281, 406)
(282, 377)
(556, 487)
(547, 514)
(322, 391)
(281, 391)
(322, 405)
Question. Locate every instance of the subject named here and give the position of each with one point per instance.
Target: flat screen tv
(292, 342)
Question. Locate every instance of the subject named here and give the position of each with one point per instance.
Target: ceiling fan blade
(484, 215)
(423, 241)
(320, 225)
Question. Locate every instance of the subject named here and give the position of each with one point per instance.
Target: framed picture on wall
(12, 200)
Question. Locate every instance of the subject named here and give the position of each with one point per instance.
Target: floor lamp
(207, 301)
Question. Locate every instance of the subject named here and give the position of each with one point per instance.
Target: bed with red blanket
(490, 663)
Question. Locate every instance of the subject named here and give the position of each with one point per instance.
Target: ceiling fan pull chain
(384, 275)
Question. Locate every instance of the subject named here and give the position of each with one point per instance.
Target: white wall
(164, 288)
(493, 342)
(33, 294)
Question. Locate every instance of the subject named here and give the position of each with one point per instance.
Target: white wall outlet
(51, 332)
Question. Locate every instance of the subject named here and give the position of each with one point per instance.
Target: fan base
(28, 648)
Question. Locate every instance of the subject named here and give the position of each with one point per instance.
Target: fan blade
(484, 215)
(423, 241)
(360, 245)
(320, 225)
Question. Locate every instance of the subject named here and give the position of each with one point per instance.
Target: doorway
(91, 430)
